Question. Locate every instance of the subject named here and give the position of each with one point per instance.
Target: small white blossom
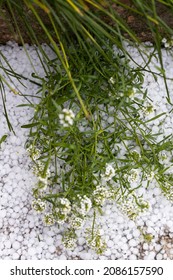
(38, 170)
(49, 219)
(130, 93)
(85, 205)
(163, 157)
(69, 240)
(168, 43)
(168, 191)
(69, 243)
(112, 80)
(95, 240)
(129, 207)
(148, 108)
(38, 205)
(62, 210)
(132, 176)
(150, 176)
(65, 205)
(164, 40)
(100, 194)
(34, 152)
(109, 172)
(66, 117)
(76, 222)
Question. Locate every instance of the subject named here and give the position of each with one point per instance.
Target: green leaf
(30, 125)
(3, 138)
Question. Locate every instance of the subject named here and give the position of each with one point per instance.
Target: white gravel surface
(22, 233)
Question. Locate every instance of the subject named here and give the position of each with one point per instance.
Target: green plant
(93, 160)
(80, 158)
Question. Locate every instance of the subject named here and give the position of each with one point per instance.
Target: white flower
(69, 240)
(38, 205)
(70, 243)
(109, 173)
(76, 222)
(95, 240)
(85, 205)
(131, 93)
(43, 180)
(62, 210)
(150, 176)
(164, 40)
(132, 176)
(148, 108)
(66, 117)
(167, 45)
(66, 205)
(49, 219)
(164, 157)
(63, 205)
(112, 80)
(168, 191)
(100, 194)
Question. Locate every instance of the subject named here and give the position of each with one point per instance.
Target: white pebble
(32, 251)
(132, 257)
(2, 212)
(132, 243)
(49, 240)
(136, 233)
(110, 243)
(62, 257)
(7, 244)
(52, 249)
(159, 256)
(81, 241)
(16, 245)
(15, 256)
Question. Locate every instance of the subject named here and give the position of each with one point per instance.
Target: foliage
(90, 139)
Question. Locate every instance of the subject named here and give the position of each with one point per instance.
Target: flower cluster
(49, 219)
(168, 191)
(39, 205)
(34, 152)
(95, 241)
(150, 175)
(130, 93)
(66, 117)
(112, 80)
(148, 108)
(62, 210)
(100, 194)
(76, 219)
(38, 167)
(131, 205)
(132, 176)
(168, 43)
(163, 157)
(76, 222)
(85, 205)
(109, 173)
(69, 239)
(79, 212)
